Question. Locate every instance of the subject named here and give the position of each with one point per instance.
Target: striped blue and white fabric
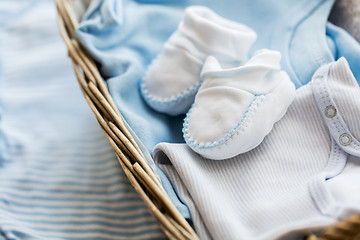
(59, 177)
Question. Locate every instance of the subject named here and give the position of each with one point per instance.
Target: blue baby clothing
(125, 36)
(303, 176)
(59, 176)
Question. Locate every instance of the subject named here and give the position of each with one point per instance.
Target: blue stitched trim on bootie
(157, 101)
(241, 126)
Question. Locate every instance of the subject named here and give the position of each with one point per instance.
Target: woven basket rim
(130, 157)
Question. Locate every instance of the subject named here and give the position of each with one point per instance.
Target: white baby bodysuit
(305, 174)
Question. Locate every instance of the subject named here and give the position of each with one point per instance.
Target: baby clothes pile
(234, 109)
(299, 178)
(210, 90)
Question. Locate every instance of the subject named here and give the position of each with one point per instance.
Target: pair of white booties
(233, 102)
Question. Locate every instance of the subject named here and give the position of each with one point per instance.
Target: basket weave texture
(127, 151)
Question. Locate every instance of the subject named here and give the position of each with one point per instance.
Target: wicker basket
(127, 151)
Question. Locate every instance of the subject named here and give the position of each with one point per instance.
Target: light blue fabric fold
(177, 201)
(129, 36)
(59, 176)
(345, 45)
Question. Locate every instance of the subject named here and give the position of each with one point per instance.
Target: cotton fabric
(59, 176)
(124, 44)
(298, 179)
(125, 36)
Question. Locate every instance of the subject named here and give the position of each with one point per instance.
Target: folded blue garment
(59, 177)
(125, 36)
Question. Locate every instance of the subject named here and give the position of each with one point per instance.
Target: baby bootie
(236, 108)
(173, 78)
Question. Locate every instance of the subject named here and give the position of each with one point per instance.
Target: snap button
(330, 111)
(317, 80)
(345, 139)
